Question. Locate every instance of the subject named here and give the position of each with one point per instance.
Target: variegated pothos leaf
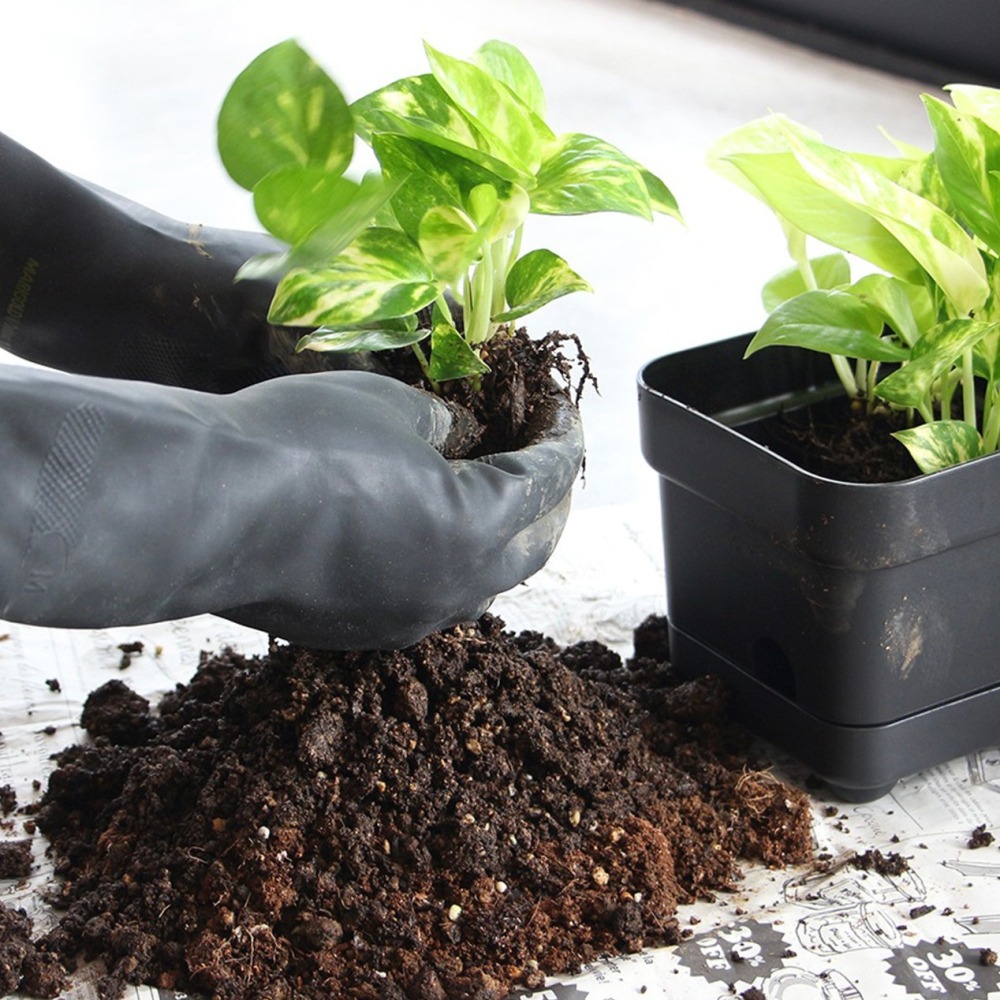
(941, 444)
(381, 275)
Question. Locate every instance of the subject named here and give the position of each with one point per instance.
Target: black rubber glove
(93, 283)
(315, 507)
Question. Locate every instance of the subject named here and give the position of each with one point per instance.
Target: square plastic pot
(858, 625)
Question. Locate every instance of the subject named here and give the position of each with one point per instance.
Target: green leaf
(829, 271)
(983, 102)
(780, 182)
(293, 201)
(434, 177)
(537, 278)
(450, 242)
(381, 275)
(932, 355)
(762, 137)
(660, 197)
(922, 177)
(966, 151)
(906, 308)
(281, 111)
(839, 199)
(941, 444)
(584, 174)
(362, 203)
(386, 336)
(451, 357)
(509, 124)
(499, 214)
(509, 65)
(831, 321)
(987, 356)
(420, 109)
(933, 238)
(431, 177)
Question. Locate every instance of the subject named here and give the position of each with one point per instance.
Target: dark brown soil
(22, 965)
(873, 860)
(981, 837)
(841, 440)
(451, 820)
(504, 409)
(15, 858)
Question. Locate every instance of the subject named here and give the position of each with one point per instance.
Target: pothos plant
(919, 331)
(425, 250)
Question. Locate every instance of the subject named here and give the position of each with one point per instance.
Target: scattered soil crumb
(23, 966)
(981, 837)
(921, 911)
(883, 864)
(455, 819)
(129, 651)
(53, 685)
(8, 799)
(987, 956)
(753, 994)
(15, 858)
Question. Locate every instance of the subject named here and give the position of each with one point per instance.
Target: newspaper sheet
(843, 934)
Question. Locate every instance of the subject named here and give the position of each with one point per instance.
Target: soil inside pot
(838, 439)
(451, 820)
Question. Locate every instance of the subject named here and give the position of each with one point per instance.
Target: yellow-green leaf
(381, 275)
(508, 64)
(512, 130)
(450, 242)
(451, 357)
(941, 444)
(584, 174)
(537, 278)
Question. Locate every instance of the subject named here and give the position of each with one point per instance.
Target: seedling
(921, 331)
(424, 251)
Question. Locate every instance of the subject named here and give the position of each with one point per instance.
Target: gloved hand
(95, 284)
(316, 507)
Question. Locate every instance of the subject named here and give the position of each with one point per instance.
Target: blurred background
(126, 94)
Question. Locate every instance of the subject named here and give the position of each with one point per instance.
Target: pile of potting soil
(456, 819)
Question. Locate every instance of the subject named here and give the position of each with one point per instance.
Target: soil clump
(23, 965)
(456, 819)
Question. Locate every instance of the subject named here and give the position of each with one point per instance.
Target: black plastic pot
(856, 623)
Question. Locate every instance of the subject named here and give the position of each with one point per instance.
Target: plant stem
(515, 248)
(425, 368)
(991, 428)
(968, 389)
(843, 369)
(861, 380)
(873, 369)
(945, 391)
(499, 251)
(477, 329)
